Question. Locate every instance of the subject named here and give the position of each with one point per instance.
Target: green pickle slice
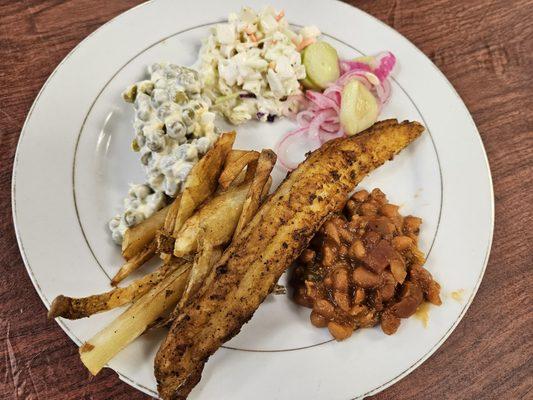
(359, 108)
(321, 64)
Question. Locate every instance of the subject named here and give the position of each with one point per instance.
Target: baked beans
(363, 268)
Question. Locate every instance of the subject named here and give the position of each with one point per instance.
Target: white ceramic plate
(73, 165)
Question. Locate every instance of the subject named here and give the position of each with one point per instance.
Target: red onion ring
(320, 122)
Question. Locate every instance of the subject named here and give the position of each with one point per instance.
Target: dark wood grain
(484, 48)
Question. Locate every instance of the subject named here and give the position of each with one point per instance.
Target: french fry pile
(222, 193)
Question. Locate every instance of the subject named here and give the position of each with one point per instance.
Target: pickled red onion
(280, 147)
(320, 121)
(347, 66)
(385, 64)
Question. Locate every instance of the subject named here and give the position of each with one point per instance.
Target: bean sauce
(364, 268)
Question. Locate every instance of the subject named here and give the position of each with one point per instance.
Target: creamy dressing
(173, 130)
(250, 68)
(140, 203)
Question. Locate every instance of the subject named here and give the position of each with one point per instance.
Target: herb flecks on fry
(75, 308)
(235, 164)
(134, 263)
(137, 237)
(207, 256)
(217, 219)
(203, 179)
(265, 163)
(98, 350)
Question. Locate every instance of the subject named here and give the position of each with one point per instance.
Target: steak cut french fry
(265, 163)
(75, 308)
(250, 170)
(234, 155)
(137, 237)
(163, 237)
(235, 165)
(203, 179)
(134, 263)
(216, 219)
(98, 350)
(207, 256)
(170, 219)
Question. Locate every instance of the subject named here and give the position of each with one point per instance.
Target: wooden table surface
(484, 48)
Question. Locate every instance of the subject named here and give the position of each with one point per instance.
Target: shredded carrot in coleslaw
(304, 43)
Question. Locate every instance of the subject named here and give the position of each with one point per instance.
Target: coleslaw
(251, 66)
